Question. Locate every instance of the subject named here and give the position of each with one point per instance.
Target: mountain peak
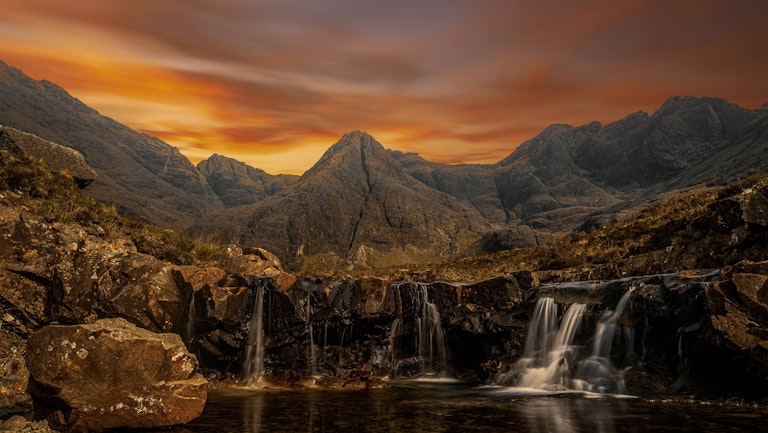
(356, 138)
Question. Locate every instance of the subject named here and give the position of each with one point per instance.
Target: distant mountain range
(361, 204)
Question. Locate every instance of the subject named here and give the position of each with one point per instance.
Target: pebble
(19, 424)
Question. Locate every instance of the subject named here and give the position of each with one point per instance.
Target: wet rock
(112, 374)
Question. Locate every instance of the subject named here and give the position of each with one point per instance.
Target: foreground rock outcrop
(112, 374)
(55, 156)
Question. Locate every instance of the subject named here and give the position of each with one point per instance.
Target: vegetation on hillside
(692, 229)
(26, 181)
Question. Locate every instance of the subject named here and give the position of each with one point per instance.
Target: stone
(14, 423)
(13, 372)
(55, 156)
(112, 374)
(250, 262)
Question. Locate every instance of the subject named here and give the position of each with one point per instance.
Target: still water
(445, 407)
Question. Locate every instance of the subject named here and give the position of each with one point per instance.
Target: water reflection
(420, 407)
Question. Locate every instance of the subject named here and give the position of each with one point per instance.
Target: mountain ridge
(355, 204)
(143, 175)
(362, 204)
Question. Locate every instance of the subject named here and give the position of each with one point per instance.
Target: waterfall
(253, 368)
(551, 361)
(417, 343)
(597, 373)
(394, 331)
(430, 342)
(312, 358)
(547, 361)
(190, 328)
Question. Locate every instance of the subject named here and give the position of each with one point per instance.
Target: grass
(56, 198)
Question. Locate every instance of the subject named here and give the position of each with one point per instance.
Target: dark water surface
(431, 407)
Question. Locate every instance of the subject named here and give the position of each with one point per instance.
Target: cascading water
(547, 363)
(430, 341)
(431, 336)
(597, 373)
(551, 360)
(190, 328)
(253, 368)
(312, 358)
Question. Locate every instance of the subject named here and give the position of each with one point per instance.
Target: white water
(548, 364)
(312, 359)
(430, 341)
(253, 368)
(597, 373)
(431, 336)
(552, 362)
(190, 329)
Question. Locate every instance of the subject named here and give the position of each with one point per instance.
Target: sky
(275, 83)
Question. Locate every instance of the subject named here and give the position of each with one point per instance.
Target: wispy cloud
(275, 83)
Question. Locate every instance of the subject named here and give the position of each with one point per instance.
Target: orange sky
(276, 83)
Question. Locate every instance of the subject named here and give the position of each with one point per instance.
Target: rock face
(357, 204)
(68, 273)
(143, 175)
(238, 184)
(558, 178)
(697, 333)
(56, 157)
(111, 374)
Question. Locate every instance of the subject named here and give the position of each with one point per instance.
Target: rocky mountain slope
(363, 205)
(357, 204)
(141, 174)
(566, 174)
(237, 183)
(564, 179)
(696, 333)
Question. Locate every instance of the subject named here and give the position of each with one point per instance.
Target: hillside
(142, 175)
(237, 183)
(357, 205)
(364, 206)
(566, 175)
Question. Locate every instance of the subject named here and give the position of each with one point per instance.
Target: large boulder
(112, 374)
(55, 156)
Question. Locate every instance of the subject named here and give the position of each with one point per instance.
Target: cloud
(456, 81)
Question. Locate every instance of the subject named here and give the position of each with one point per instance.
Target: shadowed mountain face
(361, 204)
(556, 180)
(237, 183)
(366, 205)
(357, 204)
(141, 174)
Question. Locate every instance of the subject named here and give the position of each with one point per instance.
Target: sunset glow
(274, 84)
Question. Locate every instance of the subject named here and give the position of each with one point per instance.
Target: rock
(14, 423)
(112, 374)
(66, 273)
(13, 373)
(55, 156)
(754, 203)
(250, 262)
(19, 424)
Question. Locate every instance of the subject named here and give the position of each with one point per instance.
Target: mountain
(356, 204)
(237, 183)
(566, 175)
(143, 175)
(362, 204)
